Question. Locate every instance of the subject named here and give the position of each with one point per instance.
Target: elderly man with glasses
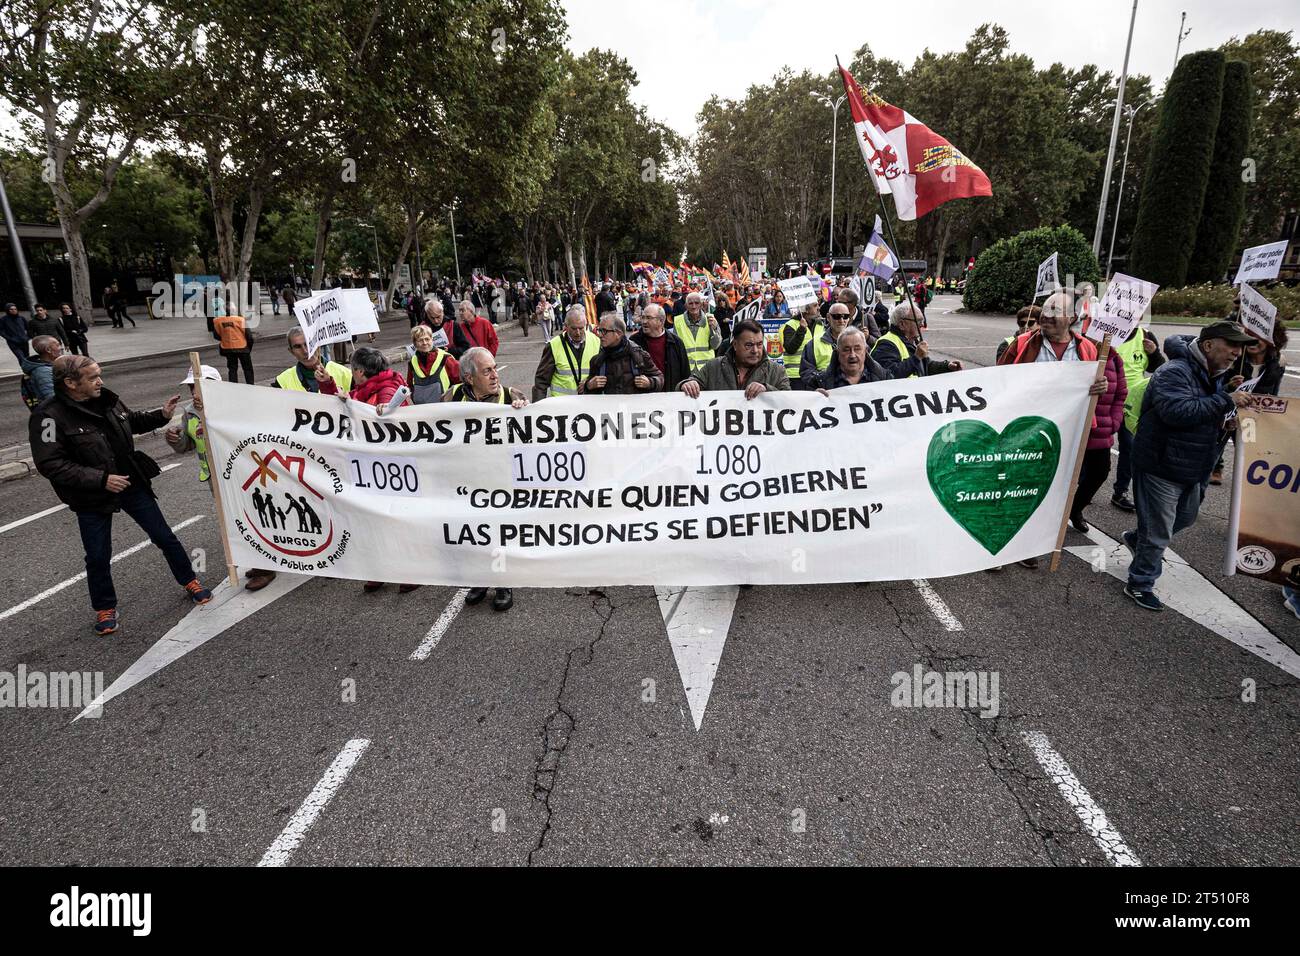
(301, 376)
(621, 368)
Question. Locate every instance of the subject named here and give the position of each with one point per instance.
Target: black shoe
(1144, 599)
(1079, 523)
(475, 595)
(504, 600)
(1123, 503)
(1030, 563)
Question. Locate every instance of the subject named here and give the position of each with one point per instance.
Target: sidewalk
(155, 337)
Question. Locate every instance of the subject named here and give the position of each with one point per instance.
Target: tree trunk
(250, 234)
(324, 213)
(413, 218)
(944, 236)
(79, 265)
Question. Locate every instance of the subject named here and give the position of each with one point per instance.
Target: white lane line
(935, 603)
(40, 514)
(1093, 817)
(57, 508)
(454, 607)
(50, 592)
(292, 835)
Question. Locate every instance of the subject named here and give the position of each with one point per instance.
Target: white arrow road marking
(292, 836)
(229, 606)
(50, 592)
(1075, 794)
(697, 620)
(1190, 594)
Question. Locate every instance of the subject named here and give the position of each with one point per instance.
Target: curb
(13, 470)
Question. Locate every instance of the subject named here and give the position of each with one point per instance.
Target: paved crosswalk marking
(1077, 796)
(291, 837)
(229, 606)
(1192, 595)
(63, 585)
(697, 621)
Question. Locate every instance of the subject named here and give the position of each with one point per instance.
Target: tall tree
(1225, 196)
(90, 79)
(1178, 171)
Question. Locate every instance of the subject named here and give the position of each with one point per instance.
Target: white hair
(904, 312)
(853, 330)
(473, 360)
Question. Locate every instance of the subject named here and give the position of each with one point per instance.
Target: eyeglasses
(300, 345)
(606, 331)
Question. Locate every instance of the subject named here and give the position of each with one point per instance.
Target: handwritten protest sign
(1127, 300)
(798, 292)
(1257, 314)
(1261, 262)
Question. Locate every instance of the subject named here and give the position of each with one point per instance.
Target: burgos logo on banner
(282, 509)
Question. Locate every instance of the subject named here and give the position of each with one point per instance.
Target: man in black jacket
(660, 343)
(82, 441)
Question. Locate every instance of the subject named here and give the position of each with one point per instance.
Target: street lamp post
(16, 244)
(1123, 172)
(1114, 139)
(835, 129)
(455, 253)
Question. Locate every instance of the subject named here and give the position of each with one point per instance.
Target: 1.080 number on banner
(382, 475)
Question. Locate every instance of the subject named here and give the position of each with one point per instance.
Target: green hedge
(1004, 275)
(1216, 300)
(1178, 171)
(1225, 198)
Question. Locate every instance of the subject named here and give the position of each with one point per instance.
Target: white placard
(883, 481)
(798, 292)
(1047, 281)
(1127, 300)
(1261, 262)
(335, 315)
(1257, 314)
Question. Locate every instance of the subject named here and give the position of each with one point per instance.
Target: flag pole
(893, 241)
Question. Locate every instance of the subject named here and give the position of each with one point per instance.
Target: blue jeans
(97, 539)
(1124, 466)
(1290, 594)
(1164, 508)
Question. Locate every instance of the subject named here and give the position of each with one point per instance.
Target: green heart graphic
(992, 483)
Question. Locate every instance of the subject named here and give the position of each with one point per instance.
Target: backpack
(30, 397)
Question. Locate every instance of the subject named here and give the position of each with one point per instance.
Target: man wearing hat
(1181, 432)
(187, 435)
(13, 328)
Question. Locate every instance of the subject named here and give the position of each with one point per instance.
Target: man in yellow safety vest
(566, 359)
(301, 377)
(698, 331)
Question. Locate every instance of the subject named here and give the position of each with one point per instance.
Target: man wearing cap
(1181, 432)
(187, 435)
(13, 327)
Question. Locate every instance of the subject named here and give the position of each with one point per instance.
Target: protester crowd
(1169, 413)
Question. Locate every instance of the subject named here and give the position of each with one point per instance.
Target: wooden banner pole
(231, 571)
(1103, 355)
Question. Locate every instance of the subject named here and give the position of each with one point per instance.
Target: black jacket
(621, 366)
(91, 441)
(678, 367)
(50, 325)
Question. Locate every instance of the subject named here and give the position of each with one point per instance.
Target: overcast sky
(687, 50)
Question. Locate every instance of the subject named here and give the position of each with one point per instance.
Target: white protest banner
(1261, 262)
(885, 481)
(358, 311)
(1257, 314)
(1266, 481)
(1127, 300)
(1047, 281)
(798, 292)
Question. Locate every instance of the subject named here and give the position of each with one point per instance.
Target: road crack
(558, 728)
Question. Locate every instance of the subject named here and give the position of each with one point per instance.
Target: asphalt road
(535, 737)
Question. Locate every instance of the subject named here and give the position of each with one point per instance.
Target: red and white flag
(919, 168)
